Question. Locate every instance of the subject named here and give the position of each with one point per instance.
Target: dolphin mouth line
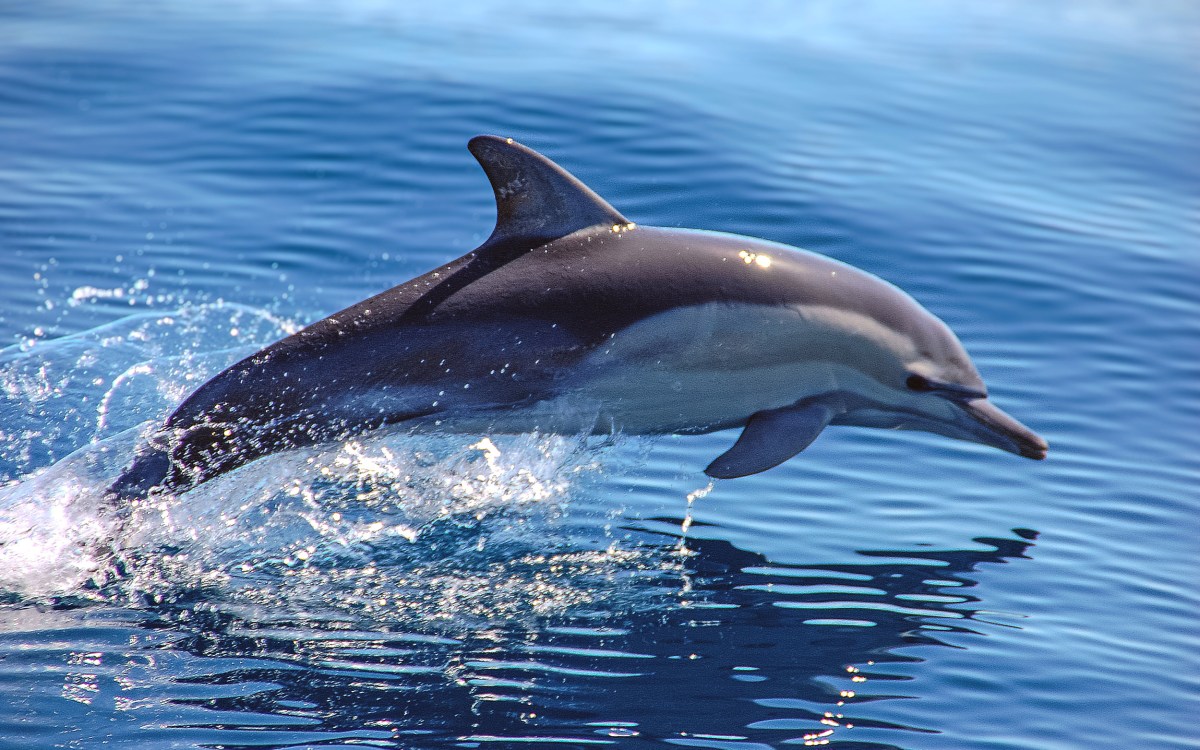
(996, 428)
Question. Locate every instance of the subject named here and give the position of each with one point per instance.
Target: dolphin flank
(570, 318)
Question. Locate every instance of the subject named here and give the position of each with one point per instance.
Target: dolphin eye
(922, 384)
(918, 384)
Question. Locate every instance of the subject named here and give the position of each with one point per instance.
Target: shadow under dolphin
(739, 653)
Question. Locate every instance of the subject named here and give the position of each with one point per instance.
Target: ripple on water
(1022, 168)
(462, 577)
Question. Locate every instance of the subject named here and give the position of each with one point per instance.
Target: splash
(61, 395)
(692, 497)
(387, 513)
(388, 526)
(51, 533)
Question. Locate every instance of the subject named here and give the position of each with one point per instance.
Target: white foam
(54, 537)
(427, 526)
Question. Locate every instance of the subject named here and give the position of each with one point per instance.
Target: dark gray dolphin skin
(569, 319)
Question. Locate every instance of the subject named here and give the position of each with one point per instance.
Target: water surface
(181, 184)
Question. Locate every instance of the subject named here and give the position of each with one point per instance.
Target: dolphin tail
(150, 469)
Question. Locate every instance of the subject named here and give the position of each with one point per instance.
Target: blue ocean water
(183, 183)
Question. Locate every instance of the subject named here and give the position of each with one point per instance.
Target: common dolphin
(570, 318)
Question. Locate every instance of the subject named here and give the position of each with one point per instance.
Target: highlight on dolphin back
(572, 319)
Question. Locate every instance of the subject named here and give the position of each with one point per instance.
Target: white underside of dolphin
(571, 318)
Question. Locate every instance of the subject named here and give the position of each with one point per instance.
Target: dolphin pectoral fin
(536, 200)
(770, 438)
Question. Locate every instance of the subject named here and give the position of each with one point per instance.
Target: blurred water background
(181, 183)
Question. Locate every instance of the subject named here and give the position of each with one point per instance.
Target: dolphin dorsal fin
(536, 200)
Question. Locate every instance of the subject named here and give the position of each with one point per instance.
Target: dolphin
(570, 318)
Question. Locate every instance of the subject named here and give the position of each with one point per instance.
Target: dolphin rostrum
(570, 318)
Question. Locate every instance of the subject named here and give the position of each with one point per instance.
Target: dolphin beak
(991, 426)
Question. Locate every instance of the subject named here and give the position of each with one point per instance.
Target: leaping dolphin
(571, 318)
